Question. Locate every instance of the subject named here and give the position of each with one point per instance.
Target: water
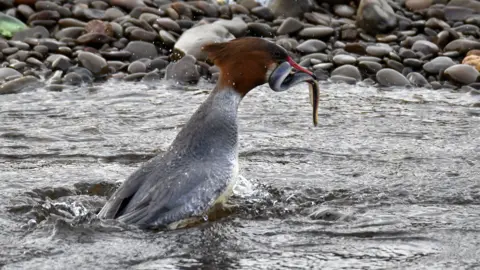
(389, 180)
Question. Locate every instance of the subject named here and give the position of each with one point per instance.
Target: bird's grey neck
(213, 126)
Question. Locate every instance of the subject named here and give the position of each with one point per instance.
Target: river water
(390, 179)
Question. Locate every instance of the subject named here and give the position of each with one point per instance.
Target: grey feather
(186, 180)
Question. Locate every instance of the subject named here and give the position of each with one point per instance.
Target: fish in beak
(289, 74)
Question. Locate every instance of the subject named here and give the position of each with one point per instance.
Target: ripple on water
(389, 179)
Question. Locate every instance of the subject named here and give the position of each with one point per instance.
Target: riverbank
(413, 43)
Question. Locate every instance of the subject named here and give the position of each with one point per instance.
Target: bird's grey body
(198, 169)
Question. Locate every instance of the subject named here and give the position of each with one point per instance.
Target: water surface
(388, 180)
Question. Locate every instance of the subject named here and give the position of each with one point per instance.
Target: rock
(127, 4)
(169, 25)
(344, 11)
(395, 65)
(192, 40)
(20, 84)
(263, 13)
(140, 34)
(416, 5)
(316, 32)
(62, 64)
(379, 50)
(417, 79)
(235, 26)
(137, 67)
(462, 45)
(343, 59)
(288, 43)
(10, 25)
(311, 46)
(391, 77)
(69, 32)
(94, 39)
(412, 62)
(407, 53)
(376, 16)
(348, 71)
(425, 47)
(8, 72)
(438, 64)
(72, 79)
(157, 63)
(35, 32)
(100, 27)
(453, 13)
(259, 30)
(183, 71)
(355, 47)
(141, 49)
(285, 8)
(369, 67)
(152, 77)
(113, 13)
(324, 66)
(167, 39)
(461, 73)
(343, 79)
(289, 26)
(472, 59)
(94, 63)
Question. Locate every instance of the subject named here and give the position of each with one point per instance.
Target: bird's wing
(168, 189)
(128, 189)
(172, 195)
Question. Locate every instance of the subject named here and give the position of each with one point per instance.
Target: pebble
(8, 72)
(141, 49)
(369, 67)
(20, 84)
(425, 47)
(348, 71)
(438, 64)
(137, 67)
(417, 79)
(462, 45)
(461, 73)
(378, 50)
(343, 59)
(390, 77)
(289, 26)
(311, 46)
(317, 32)
(183, 71)
(93, 62)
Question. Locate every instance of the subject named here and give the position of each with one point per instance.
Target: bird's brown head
(246, 63)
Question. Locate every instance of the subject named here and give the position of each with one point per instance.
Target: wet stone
(8, 72)
(137, 67)
(344, 11)
(343, 59)
(348, 71)
(141, 49)
(412, 62)
(316, 32)
(438, 64)
(425, 47)
(417, 79)
(369, 67)
(378, 51)
(25, 83)
(343, 79)
(390, 77)
(95, 63)
(311, 46)
(395, 65)
(289, 26)
(461, 73)
(183, 71)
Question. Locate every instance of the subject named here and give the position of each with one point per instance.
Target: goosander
(197, 173)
